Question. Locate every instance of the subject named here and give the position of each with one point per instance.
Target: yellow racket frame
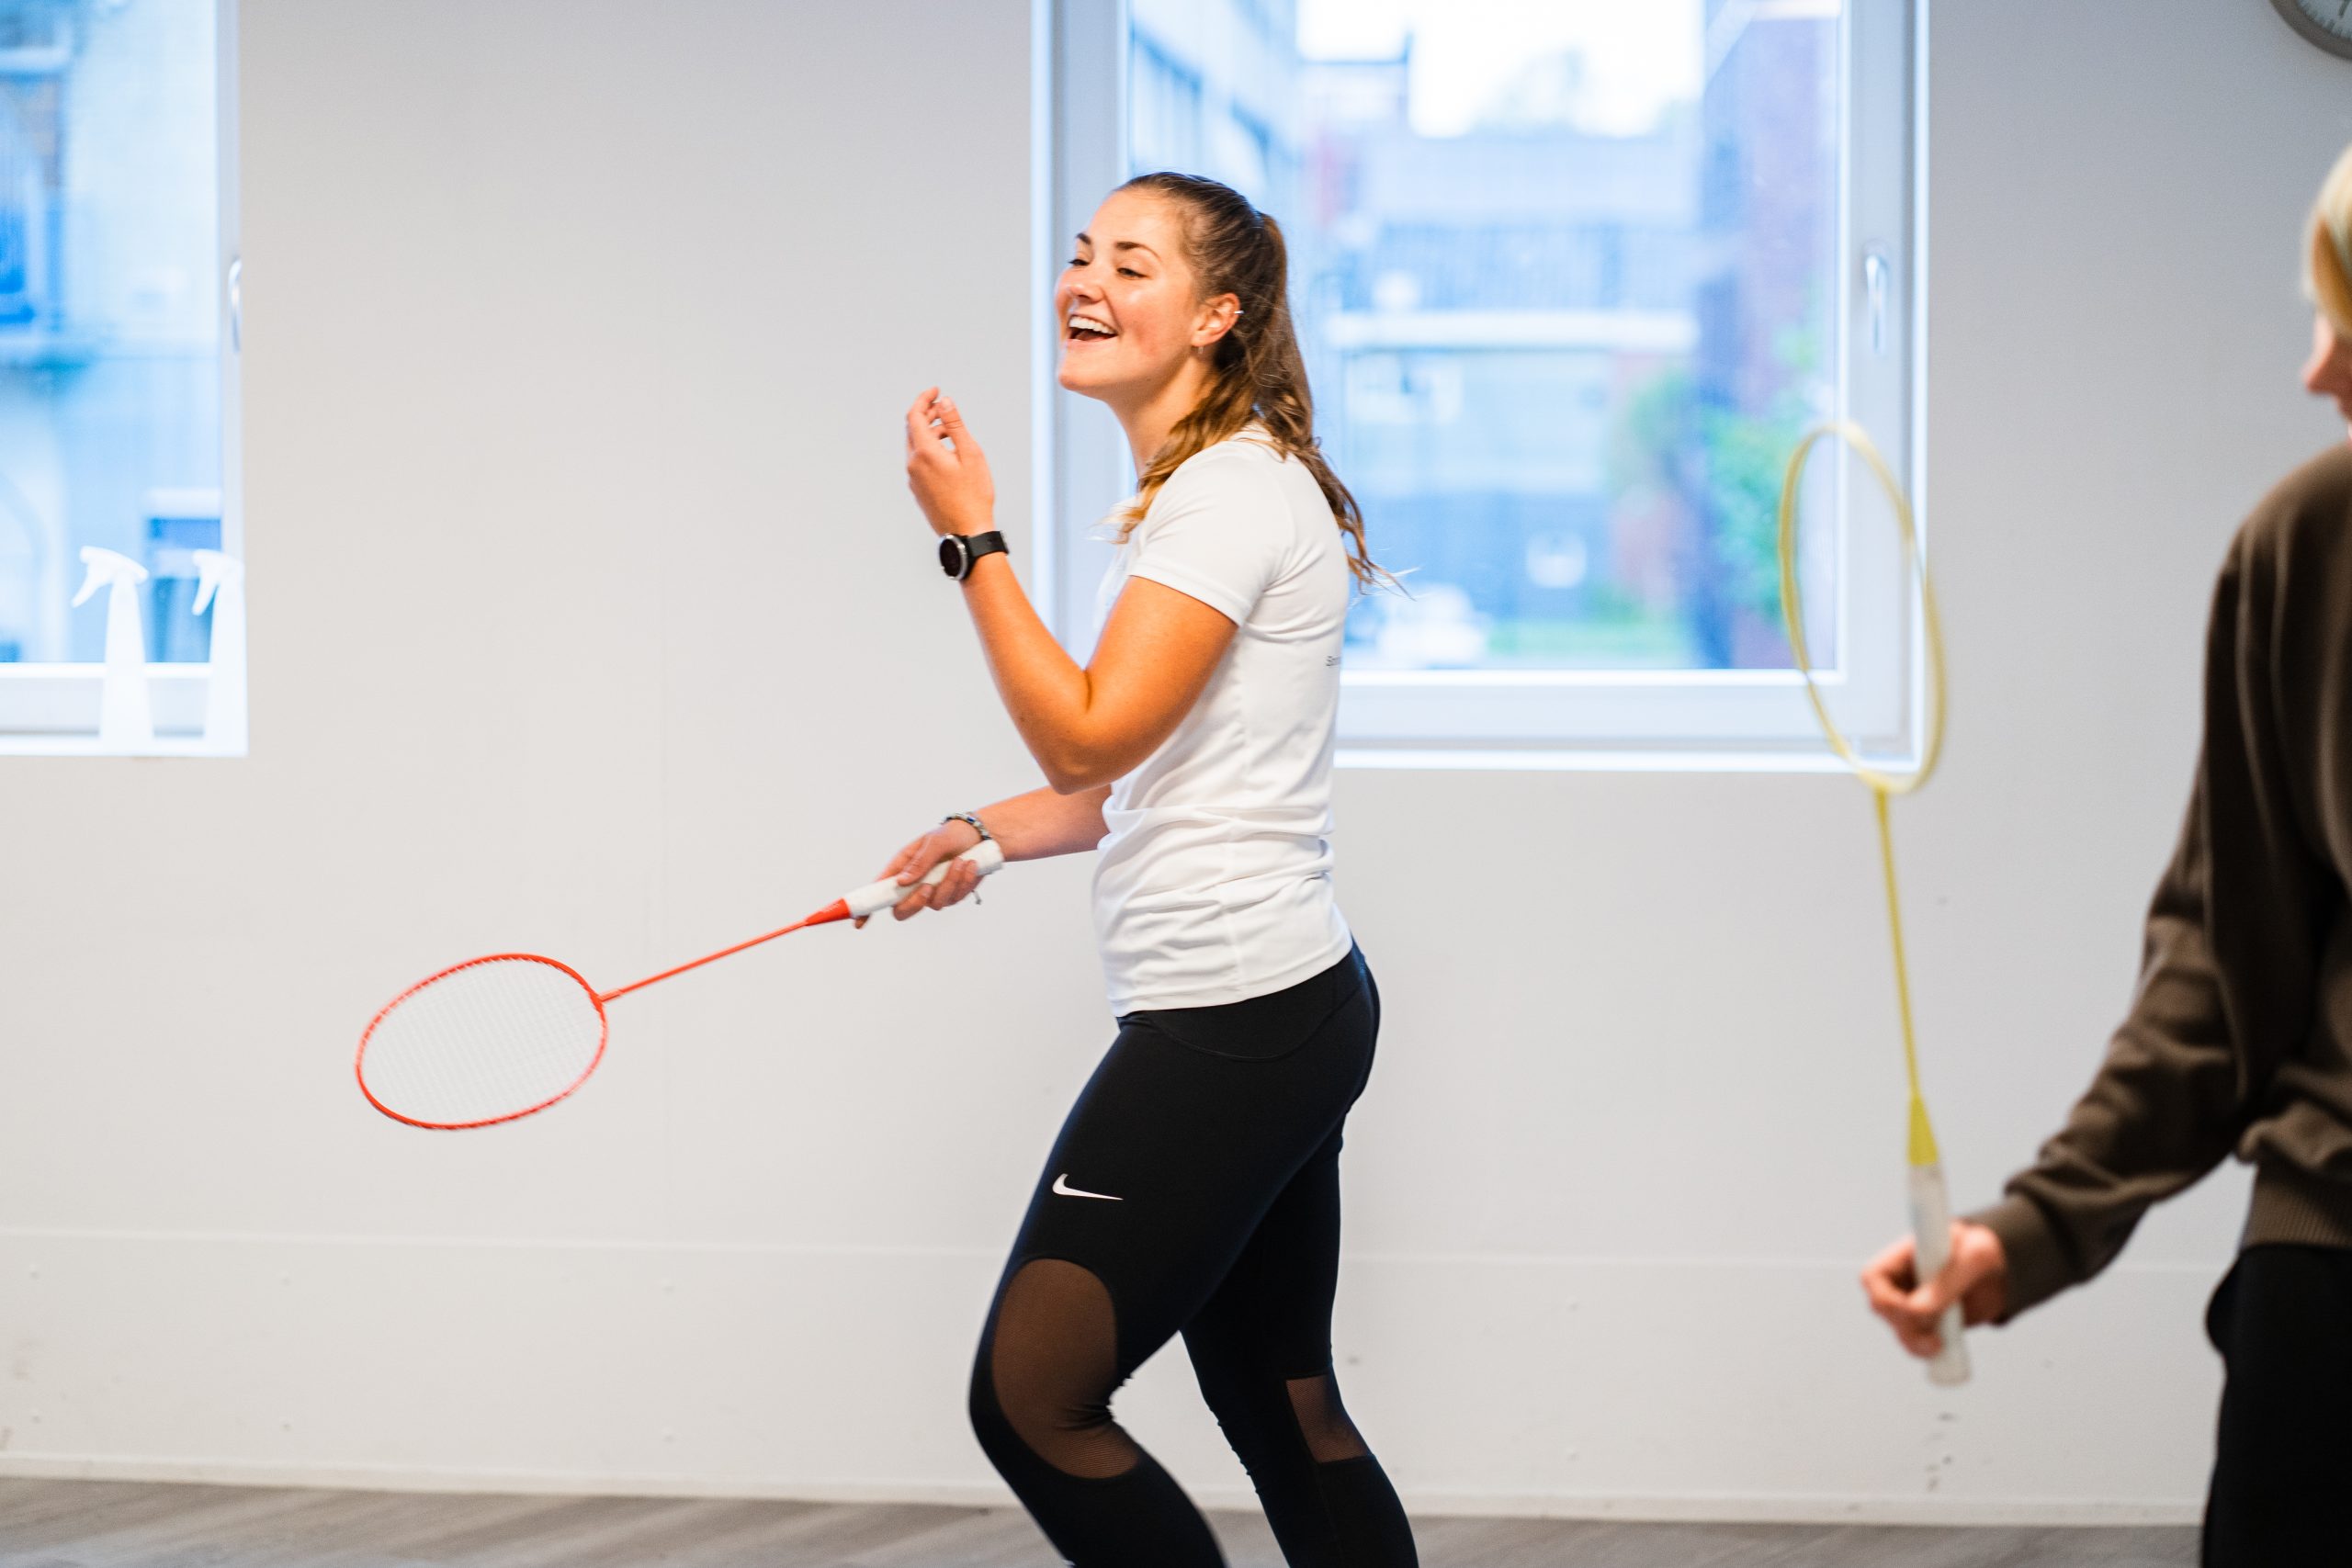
(1931, 1208)
(1883, 785)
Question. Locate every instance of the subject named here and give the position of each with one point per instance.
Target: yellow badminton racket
(1930, 1202)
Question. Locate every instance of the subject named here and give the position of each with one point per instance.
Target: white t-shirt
(1214, 883)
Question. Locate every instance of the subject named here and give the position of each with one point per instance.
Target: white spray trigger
(106, 569)
(125, 723)
(212, 571)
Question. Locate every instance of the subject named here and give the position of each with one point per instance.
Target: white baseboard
(1692, 1508)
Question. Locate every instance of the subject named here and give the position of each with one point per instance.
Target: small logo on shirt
(1062, 1189)
(1328, 662)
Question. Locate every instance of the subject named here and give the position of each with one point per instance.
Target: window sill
(1595, 760)
(52, 710)
(1647, 721)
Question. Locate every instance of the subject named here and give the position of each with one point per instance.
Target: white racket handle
(1931, 1249)
(876, 896)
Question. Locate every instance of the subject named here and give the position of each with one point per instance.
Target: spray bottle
(124, 721)
(220, 583)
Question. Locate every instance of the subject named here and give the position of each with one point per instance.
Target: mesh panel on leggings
(486, 1040)
(1055, 1363)
(1323, 1420)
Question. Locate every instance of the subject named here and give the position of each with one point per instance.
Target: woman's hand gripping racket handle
(987, 858)
(1931, 1249)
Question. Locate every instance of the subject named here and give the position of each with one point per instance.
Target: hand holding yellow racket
(1930, 1203)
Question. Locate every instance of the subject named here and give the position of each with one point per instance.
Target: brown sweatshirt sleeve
(2227, 974)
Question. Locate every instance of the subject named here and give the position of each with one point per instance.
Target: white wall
(574, 356)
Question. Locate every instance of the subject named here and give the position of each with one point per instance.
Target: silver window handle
(237, 304)
(1878, 271)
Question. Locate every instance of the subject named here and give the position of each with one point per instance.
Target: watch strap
(976, 546)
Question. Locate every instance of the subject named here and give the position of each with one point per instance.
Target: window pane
(1565, 275)
(109, 284)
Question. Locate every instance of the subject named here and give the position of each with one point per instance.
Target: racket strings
(484, 1042)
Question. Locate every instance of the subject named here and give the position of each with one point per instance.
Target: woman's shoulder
(1246, 468)
(1248, 452)
(2291, 560)
(1256, 493)
(2307, 513)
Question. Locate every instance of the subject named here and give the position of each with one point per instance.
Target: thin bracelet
(977, 827)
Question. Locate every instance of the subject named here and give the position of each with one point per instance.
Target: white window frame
(1566, 719)
(52, 709)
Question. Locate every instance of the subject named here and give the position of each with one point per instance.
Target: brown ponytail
(1257, 370)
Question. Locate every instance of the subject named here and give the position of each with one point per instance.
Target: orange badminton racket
(498, 1038)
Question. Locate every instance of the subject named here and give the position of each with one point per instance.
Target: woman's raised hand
(946, 469)
(912, 864)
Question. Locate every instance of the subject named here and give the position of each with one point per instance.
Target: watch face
(952, 559)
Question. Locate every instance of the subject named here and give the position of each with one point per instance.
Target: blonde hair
(1257, 372)
(2327, 269)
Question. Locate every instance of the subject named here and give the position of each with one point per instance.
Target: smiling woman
(1262, 375)
(1194, 1187)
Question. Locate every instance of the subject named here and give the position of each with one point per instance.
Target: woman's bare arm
(1035, 825)
(1086, 725)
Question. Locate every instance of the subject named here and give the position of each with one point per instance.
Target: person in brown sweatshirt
(2239, 1038)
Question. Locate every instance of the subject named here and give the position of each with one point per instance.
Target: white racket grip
(1931, 1249)
(876, 896)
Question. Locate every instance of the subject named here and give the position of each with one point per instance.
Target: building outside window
(1572, 280)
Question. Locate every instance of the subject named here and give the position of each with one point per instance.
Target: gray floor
(104, 1524)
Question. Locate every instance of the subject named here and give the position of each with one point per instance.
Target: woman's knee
(1265, 1414)
(1046, 1371)
(1322, 1419)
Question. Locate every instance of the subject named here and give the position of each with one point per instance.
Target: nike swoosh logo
(1062, 1189)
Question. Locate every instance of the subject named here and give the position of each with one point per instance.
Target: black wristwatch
(959, 552)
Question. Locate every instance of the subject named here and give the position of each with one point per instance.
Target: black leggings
(2282, 1477)
(1195, 1188)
